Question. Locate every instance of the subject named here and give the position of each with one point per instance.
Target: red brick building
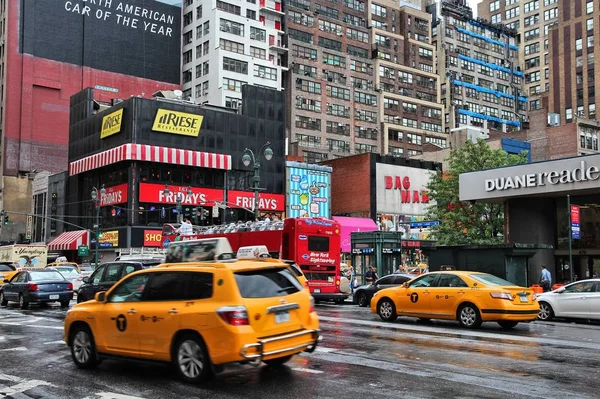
(50, 51)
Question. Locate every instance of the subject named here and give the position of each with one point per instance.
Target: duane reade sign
(560, 176)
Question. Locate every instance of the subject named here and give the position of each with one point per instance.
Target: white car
(71, 274)
(578, 300)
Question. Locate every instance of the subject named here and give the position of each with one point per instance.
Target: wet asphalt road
(359, 357)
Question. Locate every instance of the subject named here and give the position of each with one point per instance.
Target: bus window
(319, 244)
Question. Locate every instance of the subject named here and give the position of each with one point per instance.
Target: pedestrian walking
(546, 279)
(352, 280)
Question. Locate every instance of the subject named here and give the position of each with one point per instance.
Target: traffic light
(4, 217)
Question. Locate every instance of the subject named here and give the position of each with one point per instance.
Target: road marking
(111, 395)
(15, 349)
(324, 349)
(464, 333)
(22, 385)
(55, 342)
(305, 370)
(31, 325)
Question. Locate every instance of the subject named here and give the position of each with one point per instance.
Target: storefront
(157, 159)
(545, 203)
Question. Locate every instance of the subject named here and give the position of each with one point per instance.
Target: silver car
(578, 300)
(71, 274)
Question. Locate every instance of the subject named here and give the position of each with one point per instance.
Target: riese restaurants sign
(401, 190)
(560, 176)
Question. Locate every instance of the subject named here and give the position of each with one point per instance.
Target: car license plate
(282, 317)
(54, 296)
(523, 299)
(317, 291)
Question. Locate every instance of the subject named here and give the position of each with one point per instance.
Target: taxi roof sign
(200, 250)
(253, 252)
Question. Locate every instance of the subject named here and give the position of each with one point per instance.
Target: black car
(107, 274)
(44, 285)
(364, 293)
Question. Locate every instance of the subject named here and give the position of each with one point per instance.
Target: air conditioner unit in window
(252, 36)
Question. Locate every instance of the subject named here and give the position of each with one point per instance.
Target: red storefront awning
(151, 153)
(69, 241)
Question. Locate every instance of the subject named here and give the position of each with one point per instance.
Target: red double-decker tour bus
(312, 243)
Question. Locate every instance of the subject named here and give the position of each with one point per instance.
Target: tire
(340, 301)
(190, 359)
(22, 302)
(3, 301)
(83, 348)
(546, 312)
(64, 304)
(278, 362)
(424, 320)
(387, 310)
(468, 316)
(362, 300)
(507, 325)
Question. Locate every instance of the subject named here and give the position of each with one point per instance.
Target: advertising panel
(308, 190)
(266, 201)
(114, 195)
(575, 220)
(143, 36)
(174, 122)
(401, 190)
(25, 255)
(111, 124)
(155, 193)
(109, 239)
(152, 238)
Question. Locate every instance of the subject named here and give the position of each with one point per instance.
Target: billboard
(308, 190)
(401, 190)
(132, 37)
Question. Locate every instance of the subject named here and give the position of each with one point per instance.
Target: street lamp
(248, 159)
(178, 200)
(97, 202)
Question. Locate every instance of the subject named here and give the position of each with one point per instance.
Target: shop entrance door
(516, 270)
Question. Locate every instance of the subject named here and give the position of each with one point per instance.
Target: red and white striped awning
(69, 241)
(151, 153)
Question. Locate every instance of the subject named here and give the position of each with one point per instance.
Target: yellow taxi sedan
(7, 271)
(197, 315)
(468, 297)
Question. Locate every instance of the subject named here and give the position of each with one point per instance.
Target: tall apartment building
(229, 44)
(482, 84)
(533, 20)
(357, 69)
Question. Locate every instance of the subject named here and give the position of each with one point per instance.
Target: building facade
(343, 88)
(533, 20)
(479, 67)
(49, 52)
(229, 44)
(159, 158)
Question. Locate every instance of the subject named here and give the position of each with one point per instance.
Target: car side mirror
(6, 281)
(100, 297)
(560, 290)
(86, 279)
(404, 284)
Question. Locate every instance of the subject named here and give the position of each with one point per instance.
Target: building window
(432, 127)
(412, 138)
(232, 102)
(551, 14)
(198, 71)
(531, 20)
(361, 148)
(230, 8)
(258, 52)
(327, 11)
(590, 41)
(188, 37)
(589, 24)
(314, 157)
(301, 18)
(231, 27)
(335, 60)
(378, 10)
(569, 114)
(532, 34)
(589, 7)
(307, 140)
(308, 86)
(304, 52)
(396, 151)
(251, 14)
(308, 104)
(187, 76)
(531, 6)
(199, 12)
(205, 88)
(264, 72)
(338, 110)
(198, 91)
(300, 36)
(329, 44)
(366, 133)
(258, 34)
(206, 27)
(357, 35)
(205, 49)
(188, 18)
(342, 129)
(229, 45)
(187, 57)
(494, 5)
(233, 85)
(578, 44)
(305, 122)
(199, 51)
(338, 145)
(512, 13)
(232, 65)
(496, 18)
(205, 67)
(338, 92)
(357, 5)
(364, 98)
(198, 31)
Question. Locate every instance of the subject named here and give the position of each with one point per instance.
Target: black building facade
(138, 147)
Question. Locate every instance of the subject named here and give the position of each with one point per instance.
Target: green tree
(465, 222)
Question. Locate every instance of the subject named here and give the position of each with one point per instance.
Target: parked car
(43, 285)
(107, 274)
(578, 300)
(364, 293)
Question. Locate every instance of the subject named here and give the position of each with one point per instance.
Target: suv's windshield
(267, 283)
(66, 269)
(489, 279)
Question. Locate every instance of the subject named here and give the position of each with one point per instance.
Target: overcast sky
(473, 4)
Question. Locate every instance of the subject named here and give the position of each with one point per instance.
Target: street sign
(83, 250)
(29, 228)
(215, 211)
(575, 227)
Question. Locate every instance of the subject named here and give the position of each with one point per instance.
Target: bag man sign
(401, 190)
(174, 122)
(111, 124)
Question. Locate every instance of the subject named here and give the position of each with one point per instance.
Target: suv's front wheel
(280, 361)
(190, 358)
(83, 348)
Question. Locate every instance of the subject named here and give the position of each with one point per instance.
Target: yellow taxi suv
(261, 251)
(199, 314)
(471, 298)
(7, 272)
